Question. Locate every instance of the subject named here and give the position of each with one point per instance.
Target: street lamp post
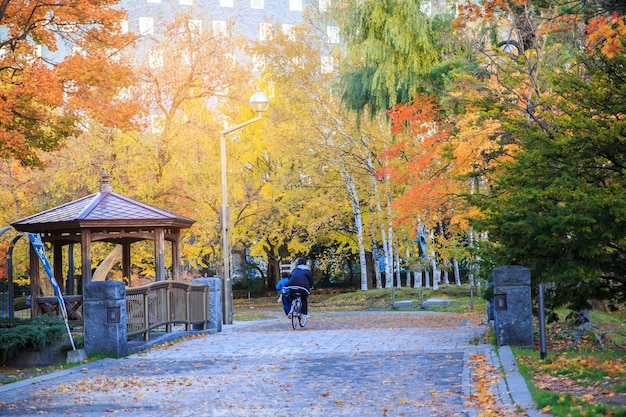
(259, 103)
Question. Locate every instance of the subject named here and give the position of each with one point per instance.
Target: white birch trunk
(436, 274)
(383, 235)
(397, 266)
(389, 254)
(457, 274)
(358, 221)
(408, 273)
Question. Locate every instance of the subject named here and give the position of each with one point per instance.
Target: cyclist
(284, 292)
(301, 282)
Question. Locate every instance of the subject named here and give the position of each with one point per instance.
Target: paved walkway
(351, 364)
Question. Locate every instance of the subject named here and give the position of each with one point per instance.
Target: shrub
(37, 333)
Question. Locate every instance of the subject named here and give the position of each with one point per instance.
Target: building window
(188, 58)
(219, 27)
(226, 3)
(195, 27)
(324, 5)
(155, 59)
(157, 123)
(328, 64)
(288, 31)
(146, 26)
(295, 5)
(258, 63)
(265, 31)
(256, 4)
(333, 34)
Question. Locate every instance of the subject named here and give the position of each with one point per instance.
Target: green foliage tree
(392, 47)
(559, 206)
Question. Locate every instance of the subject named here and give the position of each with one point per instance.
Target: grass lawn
(584, 379)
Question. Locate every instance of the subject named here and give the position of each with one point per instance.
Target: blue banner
(40, 249)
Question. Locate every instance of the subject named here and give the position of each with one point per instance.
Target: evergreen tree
(559, 207)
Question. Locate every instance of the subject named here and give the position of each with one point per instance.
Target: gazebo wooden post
(126, 272)
(85, 253)
(57, 265)
(34, 283)
(159, 254)
(176, 266)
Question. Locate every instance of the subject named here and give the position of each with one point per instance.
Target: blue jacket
(301, 279)
(280, 286)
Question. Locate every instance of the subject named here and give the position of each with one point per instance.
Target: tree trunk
(371, 270)
(389, 261)
(436, 274)
(376, 255)
(358, 221)
(398, 272)
(113, 258)
(457, 275)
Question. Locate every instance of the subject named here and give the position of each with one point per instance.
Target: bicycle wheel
(295, 316)
(301, 320)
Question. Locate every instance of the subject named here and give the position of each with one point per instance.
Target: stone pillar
(215, 301)
(104, 311)
(512, 305)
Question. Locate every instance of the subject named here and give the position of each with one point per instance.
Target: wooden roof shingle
(101, 209)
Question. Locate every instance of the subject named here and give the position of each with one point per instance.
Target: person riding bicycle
(284, 292)
(301, 282)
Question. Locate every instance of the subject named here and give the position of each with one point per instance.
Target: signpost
(35, 240)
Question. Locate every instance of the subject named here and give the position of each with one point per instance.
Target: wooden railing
(73, 306)
(164, 304)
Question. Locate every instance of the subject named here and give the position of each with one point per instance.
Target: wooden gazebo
(107, 217)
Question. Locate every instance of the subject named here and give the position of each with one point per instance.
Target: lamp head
(259, 102)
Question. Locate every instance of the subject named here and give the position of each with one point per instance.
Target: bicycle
(297, 318)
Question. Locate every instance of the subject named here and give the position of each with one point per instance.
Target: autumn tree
(396, 49)
(425, 159)
(320, 181)
(61, 65)
(558, 206)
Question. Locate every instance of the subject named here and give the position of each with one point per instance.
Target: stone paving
(353, 364)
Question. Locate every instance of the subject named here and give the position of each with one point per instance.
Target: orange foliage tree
(60, 65)
(432, 165)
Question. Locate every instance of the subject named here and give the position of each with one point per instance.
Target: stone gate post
(104, 312)
(512, 305)
(215, 299)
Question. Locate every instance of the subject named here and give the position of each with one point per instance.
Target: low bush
(19, 334)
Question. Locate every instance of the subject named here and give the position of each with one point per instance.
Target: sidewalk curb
(91, 366)
(516, 387)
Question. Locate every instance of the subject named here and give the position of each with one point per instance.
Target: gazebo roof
(103, 209)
